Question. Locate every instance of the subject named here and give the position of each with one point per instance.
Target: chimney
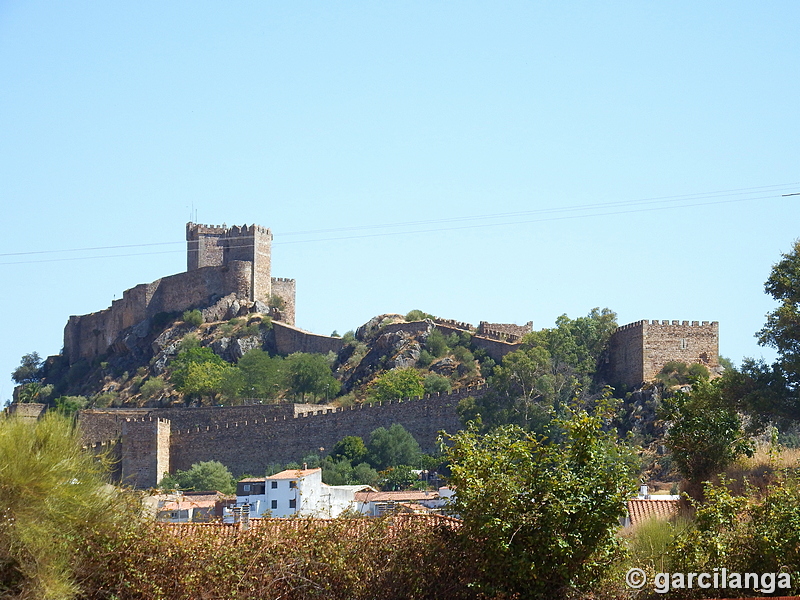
(644, 492)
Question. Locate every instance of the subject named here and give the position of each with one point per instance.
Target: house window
(274, 504)
(274, 485)
(292, 484)
(246, 487)
(292, 503)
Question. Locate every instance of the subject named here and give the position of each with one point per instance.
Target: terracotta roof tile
(406, 496)
(293, 474)
(643, 509)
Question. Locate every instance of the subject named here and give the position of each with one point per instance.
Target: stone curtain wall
(625, 357)
(290, 339)
(251, 446)
(285, 290)
(249, 438)
(91, 335)
(494, 329)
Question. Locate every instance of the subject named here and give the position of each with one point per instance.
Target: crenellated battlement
(328, 411)
(220, 261)
(194, 230)
(455, 324)
(639, 350)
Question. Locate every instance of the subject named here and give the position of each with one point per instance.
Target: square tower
(219, 246)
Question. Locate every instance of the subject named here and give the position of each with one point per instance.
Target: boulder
(242, 345)
(444, 366)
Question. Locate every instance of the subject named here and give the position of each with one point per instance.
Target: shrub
(425, 358)
(210, 476)
(193, 317)
(436, 383)
(418, 315)
(543, 512)
(396, 384)
(276, 302)
(435, 343)
(152, 387)
(69, 405)
(54, 500)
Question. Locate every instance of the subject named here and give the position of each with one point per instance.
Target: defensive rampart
(289, 339)
(220, 260)
(249, 438)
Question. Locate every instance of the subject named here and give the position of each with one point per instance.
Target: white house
(295, 492)
(376, 504)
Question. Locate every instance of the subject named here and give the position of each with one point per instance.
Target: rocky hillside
(140, 369)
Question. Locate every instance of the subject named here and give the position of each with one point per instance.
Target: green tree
(179, 366)
(263, 375)
(434, 383)
(203, 476)
(310, 374)
(401, 477)
(29, 369)
(53, 499)
(205, 379)
(396, 384)
(392, 447)
(69, 405)
(152, 387)
(544, 514)
(351, 447)
(705, 433)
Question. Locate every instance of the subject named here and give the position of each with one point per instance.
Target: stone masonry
(247, 439)
(220, 261)
(638, 351)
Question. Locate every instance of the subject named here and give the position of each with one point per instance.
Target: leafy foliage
(50, 491)
(29, 369)
(534, 384)
(310, 374)
(210, 476)
(418, 315)
(193, 317)
(392, 447)
(545, 512)
(262, 375)
(676, 372)
(705, 435)
(747, 534)
(397, 383)
(351, 447)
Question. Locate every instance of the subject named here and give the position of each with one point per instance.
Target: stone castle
(232, 267)
(231, 263)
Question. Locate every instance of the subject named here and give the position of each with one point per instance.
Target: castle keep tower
(221, 261)
(638, 351)
(215, 246)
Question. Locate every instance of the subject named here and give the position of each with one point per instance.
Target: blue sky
(677, 123)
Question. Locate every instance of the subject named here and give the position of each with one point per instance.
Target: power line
(585, 211)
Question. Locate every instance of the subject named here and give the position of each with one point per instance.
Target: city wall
(91, 335)
(250, 446)
(249, 438)
(289, 339)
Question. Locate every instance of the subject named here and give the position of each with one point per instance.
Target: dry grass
(762, 469)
